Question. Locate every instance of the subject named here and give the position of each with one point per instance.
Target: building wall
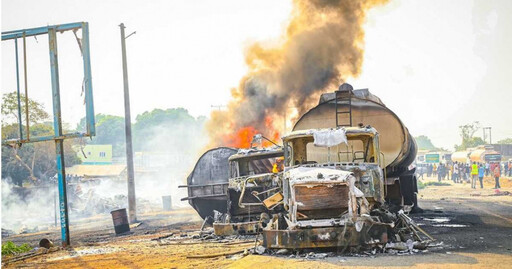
(96, 154)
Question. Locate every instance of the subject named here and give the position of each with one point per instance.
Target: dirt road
(474, 226)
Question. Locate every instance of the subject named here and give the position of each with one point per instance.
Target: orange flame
(243, 137)
(321, 48)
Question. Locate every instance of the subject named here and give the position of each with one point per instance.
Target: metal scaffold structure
(59, 135)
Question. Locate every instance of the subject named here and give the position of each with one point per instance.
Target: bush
(10, 248)
(420, 185)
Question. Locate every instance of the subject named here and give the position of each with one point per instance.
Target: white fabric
(329, 138)
(302, 174)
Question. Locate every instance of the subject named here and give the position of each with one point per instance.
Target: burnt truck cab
(359, 154)
(253, 192)
(332, 181)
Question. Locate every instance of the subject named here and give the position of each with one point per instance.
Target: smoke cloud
(322, 47)
(165, 152)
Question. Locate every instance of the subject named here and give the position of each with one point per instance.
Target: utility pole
(485, 134)
(132, 207)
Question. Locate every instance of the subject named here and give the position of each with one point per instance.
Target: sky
(437, 64)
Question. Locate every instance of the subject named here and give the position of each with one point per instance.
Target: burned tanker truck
(339, 185)
(397, 148)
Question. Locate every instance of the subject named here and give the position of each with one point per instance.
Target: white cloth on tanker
(329, 138)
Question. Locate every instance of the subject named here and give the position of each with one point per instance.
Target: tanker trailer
(461, 156)
(482, 154)
(347, 107)
(207, 184)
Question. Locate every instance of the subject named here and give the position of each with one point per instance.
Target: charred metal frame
(58, 136)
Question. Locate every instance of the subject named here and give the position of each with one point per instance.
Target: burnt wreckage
(330, 185)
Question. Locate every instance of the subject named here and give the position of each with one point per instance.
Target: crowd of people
(468, 172)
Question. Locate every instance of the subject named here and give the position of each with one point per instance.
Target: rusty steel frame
(58, 136)
(327, 237)
(239, 228)
(89, 106)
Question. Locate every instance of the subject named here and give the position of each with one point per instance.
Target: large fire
(244, 136)
(321, 47)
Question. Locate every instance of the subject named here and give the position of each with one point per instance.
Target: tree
(505, 141)
(173, 130)
(468, 141)
(467, 131)
(33, 161)
(157, 130)
(109, 131)
(424, 143)
(36, 112)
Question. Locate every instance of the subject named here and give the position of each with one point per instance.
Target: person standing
(455, 174)
(481, 173)
(439, 172)
(462, 172)
(450, 171)
(474, 175)
(468, 172)
(497, 177)
(486, 168)
(435, 169)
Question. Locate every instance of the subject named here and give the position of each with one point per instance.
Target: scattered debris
(450, 225)
(163, 237)
(259, 250)
(216, 254)
(437, 220)
(7, 232)
(135, 225)
(497, 192)
(46, 243)
(32, 253)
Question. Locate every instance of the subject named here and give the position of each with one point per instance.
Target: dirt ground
(474, 226)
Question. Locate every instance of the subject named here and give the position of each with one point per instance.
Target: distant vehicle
(438, 157)
(480, 154)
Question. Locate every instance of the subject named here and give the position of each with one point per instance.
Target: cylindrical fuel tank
(397, 145)
(460, 156)
(207, 183)
(484, 155)
(477, 155)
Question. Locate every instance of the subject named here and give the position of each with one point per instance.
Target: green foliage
(468, 141)
(10, 248)
(33, 161)
(167, 117)
(424, 143)
(437, 183)
(505, 141)
(468, 130)
(36, 112)
(109, 131)
(171, 129)
(156, 130)
(420, 185)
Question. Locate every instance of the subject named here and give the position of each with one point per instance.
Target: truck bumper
(325, 237)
